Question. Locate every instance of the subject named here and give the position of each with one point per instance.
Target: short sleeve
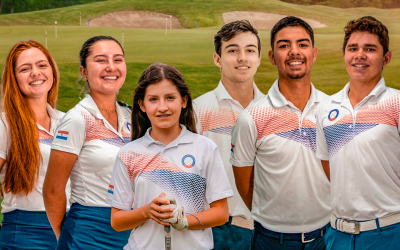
(5, 139)
(70, 134)
(322, 146)
(120, 191)
(217, 183)
(244, 139)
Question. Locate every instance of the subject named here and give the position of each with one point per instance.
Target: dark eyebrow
(231, 45)
(283, 41)
(30, 64)
(352, 45)
(101, 55)
(304, 40)
(371, 45)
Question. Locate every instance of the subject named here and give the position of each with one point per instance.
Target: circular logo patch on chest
(333, 114)
(188, 161)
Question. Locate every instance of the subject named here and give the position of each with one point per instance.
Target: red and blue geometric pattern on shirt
(45, 138)
(217, 120)
(188, 188)
(96, 130)
(284, 124)
(343, 131)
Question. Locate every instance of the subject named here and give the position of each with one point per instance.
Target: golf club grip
(167, 233)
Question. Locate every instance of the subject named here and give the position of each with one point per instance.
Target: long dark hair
(155, 73)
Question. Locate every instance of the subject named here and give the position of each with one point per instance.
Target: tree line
(17, 6)
(386, 4)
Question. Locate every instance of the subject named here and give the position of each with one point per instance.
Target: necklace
(108, 111)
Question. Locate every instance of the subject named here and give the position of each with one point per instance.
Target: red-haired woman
(29, 89)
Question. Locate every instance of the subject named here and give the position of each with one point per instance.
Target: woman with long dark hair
(29, 119)
(85, 149)
(169, 174)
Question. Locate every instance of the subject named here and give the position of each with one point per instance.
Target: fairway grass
(189, 50)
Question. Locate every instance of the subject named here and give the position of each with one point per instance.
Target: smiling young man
(273, 149)
(358, 137)
(237, 54)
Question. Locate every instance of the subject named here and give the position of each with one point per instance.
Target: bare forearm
(122, 220)
(214, 216)
(325, 166)
(244, 180)
(55, 208)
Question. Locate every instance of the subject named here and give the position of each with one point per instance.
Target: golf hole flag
(63, 135)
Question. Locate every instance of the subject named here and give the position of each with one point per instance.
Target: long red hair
(24, 158)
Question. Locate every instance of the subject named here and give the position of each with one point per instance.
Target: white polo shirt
(291, 191)
(189, 168)
(217, 113)
(34, 200)
(85, 132)
(362, 145)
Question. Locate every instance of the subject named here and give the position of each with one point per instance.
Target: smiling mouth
(38, 82)
(360, 65)
(295, 63)
(163, 116)
(110, 77)
(242, 67)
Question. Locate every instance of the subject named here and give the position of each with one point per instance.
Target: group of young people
(232, 169)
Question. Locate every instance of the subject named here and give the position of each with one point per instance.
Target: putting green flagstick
(167, 233)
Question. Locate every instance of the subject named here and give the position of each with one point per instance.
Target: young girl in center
(167, 158)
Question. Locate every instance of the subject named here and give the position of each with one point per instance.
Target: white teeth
(295, 63)
(110, 77)
(242, 67)
(37, 82)
(360, 66)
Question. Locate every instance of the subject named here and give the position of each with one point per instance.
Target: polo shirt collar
(279, 100)
(344, 93)
(221, 93)
(55, 116)
(89, 104)
(184, 137)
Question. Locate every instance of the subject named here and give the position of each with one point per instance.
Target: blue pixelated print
(308, 139)
(188, 188)
(339, 135)
(117, 141)
(227, 130)
(46, 141)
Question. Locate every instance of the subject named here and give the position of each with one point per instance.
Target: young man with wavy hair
(358, 138)
(237, 54)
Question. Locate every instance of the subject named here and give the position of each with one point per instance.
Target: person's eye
(119, 60)
(101, 60)
(232, 51)
(43, 65)
(23, 70)
(303, 45)
(153, 99)
(352, 49)
(370, 50)
(171, 97)
(283, 46)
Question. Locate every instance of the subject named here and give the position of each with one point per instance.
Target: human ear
(217, 60)
(386, 58)
(83, 72)
(315, 53)
(141, 106)
(272, 57)
(184, 101)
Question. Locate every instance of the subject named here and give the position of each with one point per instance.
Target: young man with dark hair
(237, 54)
(358, 138)
(273, 149)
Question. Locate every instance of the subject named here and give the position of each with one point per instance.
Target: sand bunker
(136, 19)
(261, 20)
